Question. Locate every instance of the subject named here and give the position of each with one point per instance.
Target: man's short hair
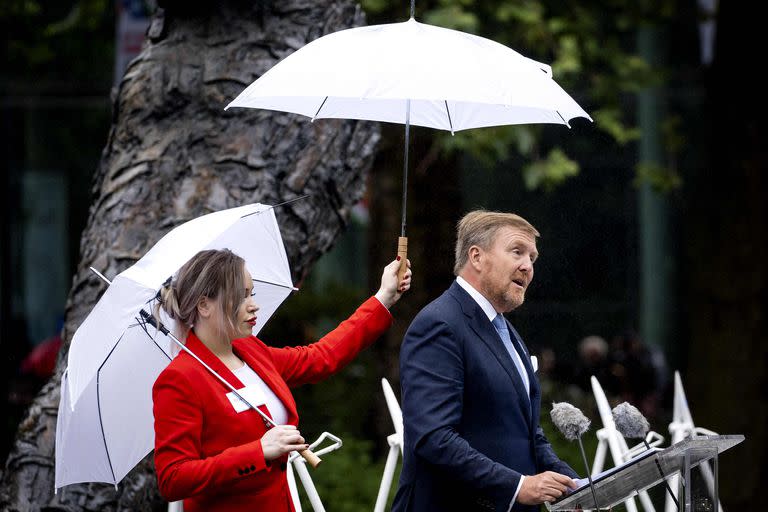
(479, 228)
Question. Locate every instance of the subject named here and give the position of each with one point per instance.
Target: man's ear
(475, 257)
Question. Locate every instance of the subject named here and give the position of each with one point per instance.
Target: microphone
(572, 423)
(569, 420)
(631, 424)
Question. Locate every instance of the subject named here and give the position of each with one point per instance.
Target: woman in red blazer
(206, 452)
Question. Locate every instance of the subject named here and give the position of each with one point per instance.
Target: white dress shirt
(276, 408)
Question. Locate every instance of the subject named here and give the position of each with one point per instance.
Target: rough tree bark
(174, 154)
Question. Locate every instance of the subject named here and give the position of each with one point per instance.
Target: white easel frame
(681, 428)
(395, 442)
(608, 438)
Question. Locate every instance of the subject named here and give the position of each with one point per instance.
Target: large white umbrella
(412, 73)
(452, 80)
(105, 422)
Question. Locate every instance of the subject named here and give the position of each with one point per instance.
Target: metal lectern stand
(644, 471)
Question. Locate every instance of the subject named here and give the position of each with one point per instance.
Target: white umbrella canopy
(412, 73)
(453, 80)
(105, 422)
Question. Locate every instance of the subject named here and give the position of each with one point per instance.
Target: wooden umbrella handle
(312, 459)
(402, 251)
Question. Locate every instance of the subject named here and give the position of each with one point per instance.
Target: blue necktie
(501, 327)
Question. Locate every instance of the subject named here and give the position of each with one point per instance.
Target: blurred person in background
(639, 372)
(593, 352)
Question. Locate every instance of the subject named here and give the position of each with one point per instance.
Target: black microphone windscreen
(629, 421)
(569, 420)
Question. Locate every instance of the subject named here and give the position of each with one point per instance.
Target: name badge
(252, 394)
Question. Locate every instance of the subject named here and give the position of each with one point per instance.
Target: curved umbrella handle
(312, 459)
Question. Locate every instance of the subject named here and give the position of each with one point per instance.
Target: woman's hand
(390, 290)
(280, 440)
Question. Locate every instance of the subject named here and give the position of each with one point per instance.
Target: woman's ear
(204, 307)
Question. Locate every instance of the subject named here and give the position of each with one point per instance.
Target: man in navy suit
(470, 398)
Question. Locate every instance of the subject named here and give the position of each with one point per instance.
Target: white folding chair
(299, 465)
(681, 428)
(395, 442)
(608, 438)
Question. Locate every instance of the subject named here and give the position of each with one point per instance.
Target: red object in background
(41, 361)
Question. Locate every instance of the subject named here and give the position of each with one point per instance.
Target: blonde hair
(479, 228)
(214, 274)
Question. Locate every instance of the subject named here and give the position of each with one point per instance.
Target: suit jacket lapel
(522, 351)
(479, 323)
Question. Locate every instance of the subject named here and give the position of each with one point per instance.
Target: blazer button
(253, 468)
(239, 471)
(247, 470)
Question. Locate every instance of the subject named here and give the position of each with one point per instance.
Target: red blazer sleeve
(182, 470)
(315, 362)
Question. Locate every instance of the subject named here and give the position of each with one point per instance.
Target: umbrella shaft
(405, 162)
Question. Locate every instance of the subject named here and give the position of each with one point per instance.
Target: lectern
(644, 471)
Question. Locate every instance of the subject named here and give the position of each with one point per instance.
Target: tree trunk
(728, 362)
(173, 154)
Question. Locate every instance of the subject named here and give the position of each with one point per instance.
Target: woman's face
(245, 317)
(211, 313)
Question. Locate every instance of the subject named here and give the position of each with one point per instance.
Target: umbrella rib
(561, 117)
(318, 110)
(98, 390)
(272, 234)
(143, 326)
(98, 397)
(98, 407)
(447, 111)
(274, 206)
(275, 284)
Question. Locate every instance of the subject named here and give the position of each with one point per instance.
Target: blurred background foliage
(58, 43)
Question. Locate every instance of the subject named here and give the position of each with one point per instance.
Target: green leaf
(491, 145)
(550, 172)
(609, 120)
(568, 57)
